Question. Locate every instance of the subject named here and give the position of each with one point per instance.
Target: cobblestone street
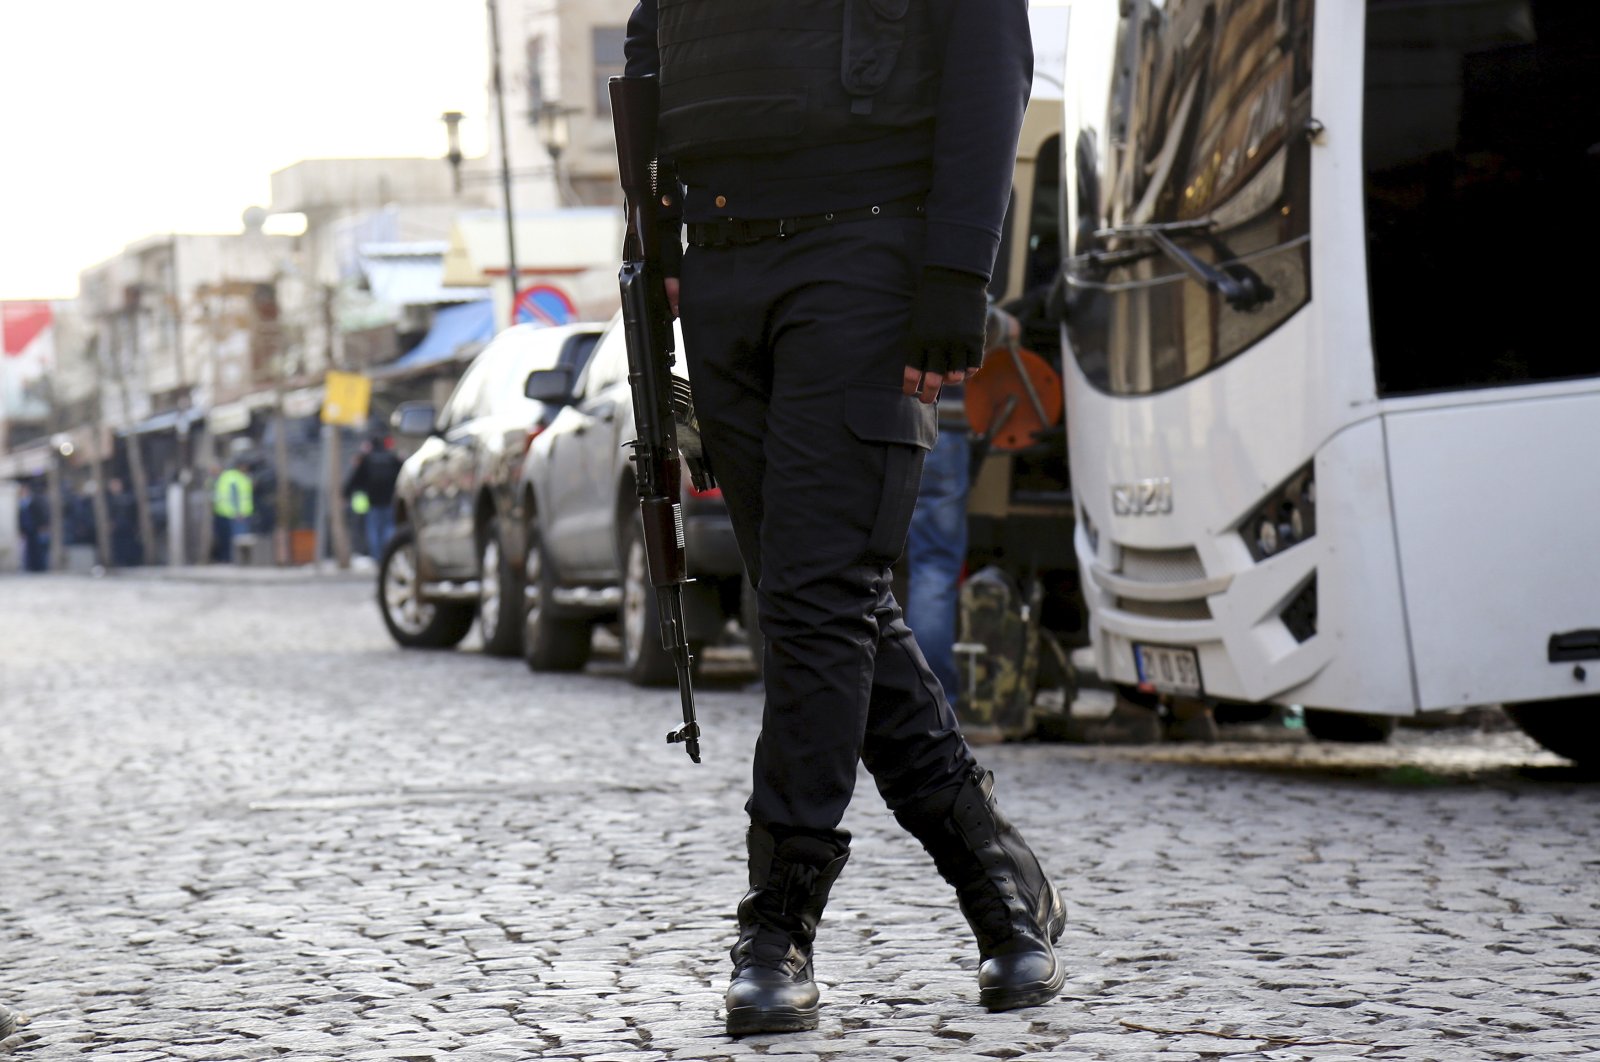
(237, 823)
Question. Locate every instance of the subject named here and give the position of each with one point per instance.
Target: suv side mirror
(551, 386)
(413, 419)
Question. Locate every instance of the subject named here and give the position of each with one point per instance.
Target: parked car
(584, 560)
(456, 552)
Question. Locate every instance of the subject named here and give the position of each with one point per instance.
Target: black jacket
(374, 475)
(965, 173)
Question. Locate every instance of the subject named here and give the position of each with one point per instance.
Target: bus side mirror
(413, 419)
(550, 386)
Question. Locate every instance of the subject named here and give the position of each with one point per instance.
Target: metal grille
(1194, 609)
(1161, 565)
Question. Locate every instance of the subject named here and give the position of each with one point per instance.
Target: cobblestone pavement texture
(236, 823)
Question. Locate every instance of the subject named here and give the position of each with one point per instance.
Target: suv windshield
(1482, 146)
(1195, 186)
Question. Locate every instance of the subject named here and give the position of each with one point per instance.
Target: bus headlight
(1285, 519)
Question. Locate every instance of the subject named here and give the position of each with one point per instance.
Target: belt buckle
(783, 228)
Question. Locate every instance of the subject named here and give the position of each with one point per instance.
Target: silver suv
(584, 559)
(457, 547)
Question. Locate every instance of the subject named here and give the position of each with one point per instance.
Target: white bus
(1333, 388)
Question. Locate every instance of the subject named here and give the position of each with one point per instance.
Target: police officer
(843, 168)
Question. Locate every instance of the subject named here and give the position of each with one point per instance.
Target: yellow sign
(347, 398)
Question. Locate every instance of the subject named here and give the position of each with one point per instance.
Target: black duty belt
(731, 231)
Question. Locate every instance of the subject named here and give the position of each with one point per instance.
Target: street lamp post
(452, 127)
(555, 132)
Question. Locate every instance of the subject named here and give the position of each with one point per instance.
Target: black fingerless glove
(670, 233)
(947, 320)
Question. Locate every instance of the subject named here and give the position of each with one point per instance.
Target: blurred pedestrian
(77, 514)
(264, 480)
(123, 509)
(232, 505)
(33, 522)
(370, 485)
(936, 548)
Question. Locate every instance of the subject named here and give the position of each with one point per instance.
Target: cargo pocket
(905, 428)
(874, 33)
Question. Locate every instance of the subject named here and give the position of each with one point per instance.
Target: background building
(557, 56)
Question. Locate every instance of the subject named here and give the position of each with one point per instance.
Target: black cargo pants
(796, 347)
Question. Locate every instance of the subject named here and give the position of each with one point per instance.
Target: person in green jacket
(232, 505)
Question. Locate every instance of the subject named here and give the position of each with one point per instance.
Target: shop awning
(168, 421)
(457, 332)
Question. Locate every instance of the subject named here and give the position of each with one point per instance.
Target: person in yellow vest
(232, 505)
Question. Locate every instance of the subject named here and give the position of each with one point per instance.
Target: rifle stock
(647, 325)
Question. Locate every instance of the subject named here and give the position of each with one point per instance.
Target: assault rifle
(660, 399)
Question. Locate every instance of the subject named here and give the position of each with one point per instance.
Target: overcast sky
(120, 120)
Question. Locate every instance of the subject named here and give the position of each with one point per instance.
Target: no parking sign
(543, 304)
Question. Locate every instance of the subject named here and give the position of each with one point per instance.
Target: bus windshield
(1482, 164)
(1191, 235)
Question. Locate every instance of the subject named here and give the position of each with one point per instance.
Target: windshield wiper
(1239, 286)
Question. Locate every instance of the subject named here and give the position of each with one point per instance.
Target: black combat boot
(1013, 910)
(772, 989)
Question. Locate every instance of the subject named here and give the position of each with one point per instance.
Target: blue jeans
(36, 552)
(237, 526)
(936, 551)
(380, 526)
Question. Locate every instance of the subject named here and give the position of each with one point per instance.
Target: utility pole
(332, 471)
(58, 507)
(505, 152)
(272, 351)
(60, 448)
(129, 316)
(178, 493)
(97, 468)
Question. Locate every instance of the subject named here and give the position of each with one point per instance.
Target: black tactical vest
(742, 77)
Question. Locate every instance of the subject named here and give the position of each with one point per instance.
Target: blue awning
(172, 419)
(457, 331)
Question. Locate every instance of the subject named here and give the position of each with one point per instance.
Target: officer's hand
(925, 385)
(672, 295)
(947, 323)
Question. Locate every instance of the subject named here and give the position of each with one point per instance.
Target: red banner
(21, 323)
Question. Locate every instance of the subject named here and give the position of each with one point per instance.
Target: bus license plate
(1169, 669)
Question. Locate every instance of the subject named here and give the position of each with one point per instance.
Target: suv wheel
(550, 642)
(413, 622)
(499, 600)
(644, 661)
